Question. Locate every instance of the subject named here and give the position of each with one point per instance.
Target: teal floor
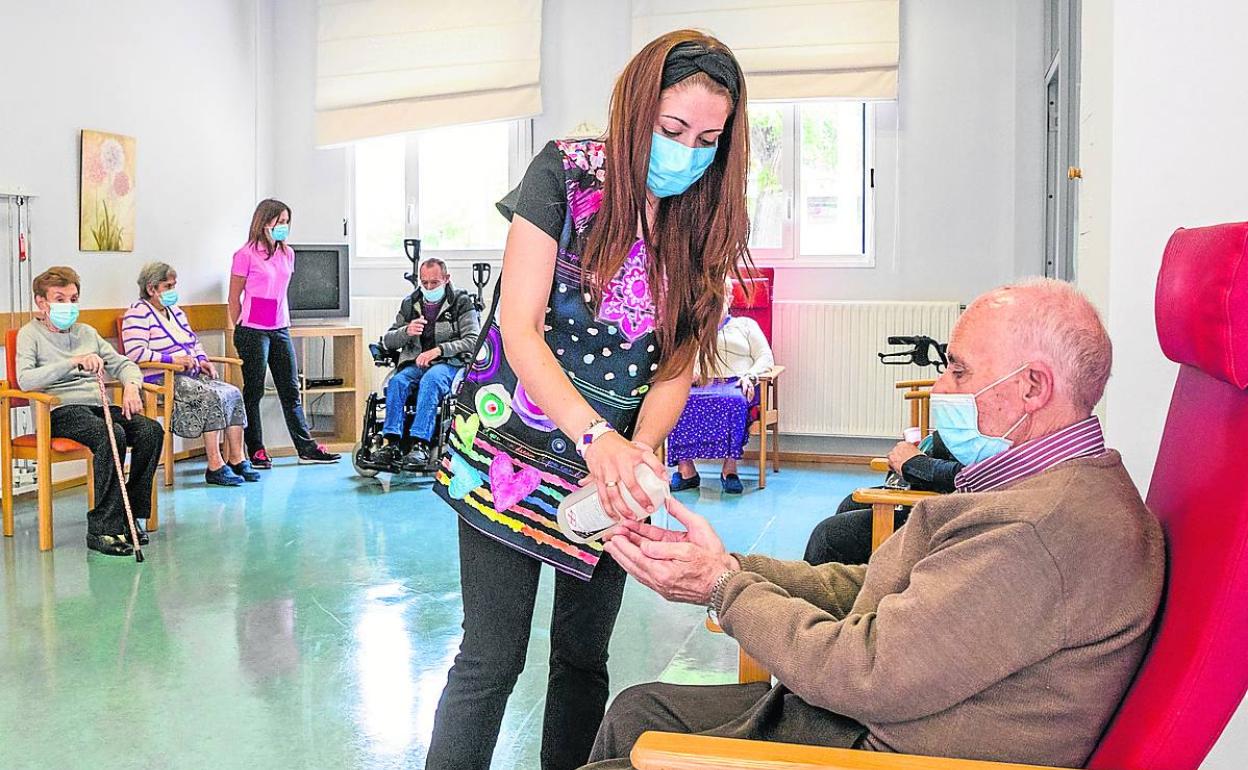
(307, 621)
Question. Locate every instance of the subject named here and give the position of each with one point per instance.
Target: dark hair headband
(690, 58)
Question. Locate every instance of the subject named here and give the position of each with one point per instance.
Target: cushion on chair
(1196, 673)
(1202, 301)
(62, 445)
(755, 301)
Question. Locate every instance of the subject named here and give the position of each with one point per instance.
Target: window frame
(519, 153)
(788, 254)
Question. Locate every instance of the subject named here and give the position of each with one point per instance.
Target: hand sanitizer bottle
(582, 518)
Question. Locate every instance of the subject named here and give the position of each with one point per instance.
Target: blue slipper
(223, 477)
(245, 471)
(680, 483)
(732, 484)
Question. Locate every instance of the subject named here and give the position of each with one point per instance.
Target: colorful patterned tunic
(508, 466)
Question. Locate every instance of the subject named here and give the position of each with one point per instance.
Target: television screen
(318, 288)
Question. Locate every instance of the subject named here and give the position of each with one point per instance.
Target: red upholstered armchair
(1196, 672)
(753, 299)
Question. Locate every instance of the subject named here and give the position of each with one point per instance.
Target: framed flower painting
(106, 209)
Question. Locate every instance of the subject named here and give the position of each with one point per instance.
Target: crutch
(121, 477)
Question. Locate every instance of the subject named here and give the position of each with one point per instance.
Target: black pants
(669, 708)
(846, 537)
(144, 436)
(271, 347)
(499, 587)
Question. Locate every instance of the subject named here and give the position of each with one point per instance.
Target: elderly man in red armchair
(1004, 622)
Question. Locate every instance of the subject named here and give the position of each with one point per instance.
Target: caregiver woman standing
(261, 319)
(612, 286)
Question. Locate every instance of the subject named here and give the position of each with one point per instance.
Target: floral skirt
(714, 425)
(202, 404)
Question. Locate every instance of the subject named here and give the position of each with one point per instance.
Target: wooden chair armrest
(712, 626)
(226, 360)
(671, 751)
(159, 366)
(147, 386)
(907, 384)
(879, 464)
(890, 496)
(30, 395)
(771, 373)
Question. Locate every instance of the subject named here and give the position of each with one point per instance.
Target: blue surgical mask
(168, 297)
(62, 314)
(955, 416)
(279, 232)
(434, 295)
(674, 167)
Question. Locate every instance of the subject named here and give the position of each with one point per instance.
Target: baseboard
(811, 457)
(81, 480)
(341, 447)
(851, 450)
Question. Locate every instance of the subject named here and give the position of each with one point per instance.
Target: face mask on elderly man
(955, 416)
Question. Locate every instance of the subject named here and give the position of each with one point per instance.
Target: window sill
(815, 263)
(452, 258)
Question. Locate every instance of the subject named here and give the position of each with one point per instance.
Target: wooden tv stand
(347, 344)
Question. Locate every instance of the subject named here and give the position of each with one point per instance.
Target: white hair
(154, 273)
(1052, 322)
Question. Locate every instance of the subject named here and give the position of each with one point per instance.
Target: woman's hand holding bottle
(612, 461)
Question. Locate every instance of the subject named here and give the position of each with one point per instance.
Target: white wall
(1178, 159)
(971, 134)
(178, 75)
(1096, 122)
(964, 210)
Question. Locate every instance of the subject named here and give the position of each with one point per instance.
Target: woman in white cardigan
(716, 420)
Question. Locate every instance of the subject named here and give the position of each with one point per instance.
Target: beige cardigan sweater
(1004, 625)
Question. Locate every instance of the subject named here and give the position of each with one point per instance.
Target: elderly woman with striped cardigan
(155, 329)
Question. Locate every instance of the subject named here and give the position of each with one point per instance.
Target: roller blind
(389, 66)
(791, 49)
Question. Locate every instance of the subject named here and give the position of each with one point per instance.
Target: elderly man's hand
(89, 362)
(679, 566)
(901, 453)
(131, 401)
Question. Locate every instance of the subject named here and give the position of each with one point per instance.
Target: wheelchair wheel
(366, 472)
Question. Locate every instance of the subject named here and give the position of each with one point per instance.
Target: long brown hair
(266, 211)
(699, 235)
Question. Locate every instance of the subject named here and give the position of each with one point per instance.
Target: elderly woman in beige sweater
(1004, 622)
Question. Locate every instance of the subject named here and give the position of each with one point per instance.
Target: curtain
(790, 49)
(390, 66)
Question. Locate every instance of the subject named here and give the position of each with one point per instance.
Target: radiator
(833, 384)
(374, 315)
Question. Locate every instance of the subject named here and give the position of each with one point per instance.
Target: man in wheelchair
(435, 333)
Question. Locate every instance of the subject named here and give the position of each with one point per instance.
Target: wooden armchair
(768, 418)
(918, 394)
(43, 448)
(1195, 673)
(885, 502)
(755, 301)
(164, 402)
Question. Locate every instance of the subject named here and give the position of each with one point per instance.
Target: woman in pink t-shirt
(261, 319)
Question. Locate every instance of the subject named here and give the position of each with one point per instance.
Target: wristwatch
(593, 432)
(716, 602)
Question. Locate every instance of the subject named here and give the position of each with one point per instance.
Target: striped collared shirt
(1082, 439)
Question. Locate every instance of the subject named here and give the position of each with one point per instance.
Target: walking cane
(121, 477)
